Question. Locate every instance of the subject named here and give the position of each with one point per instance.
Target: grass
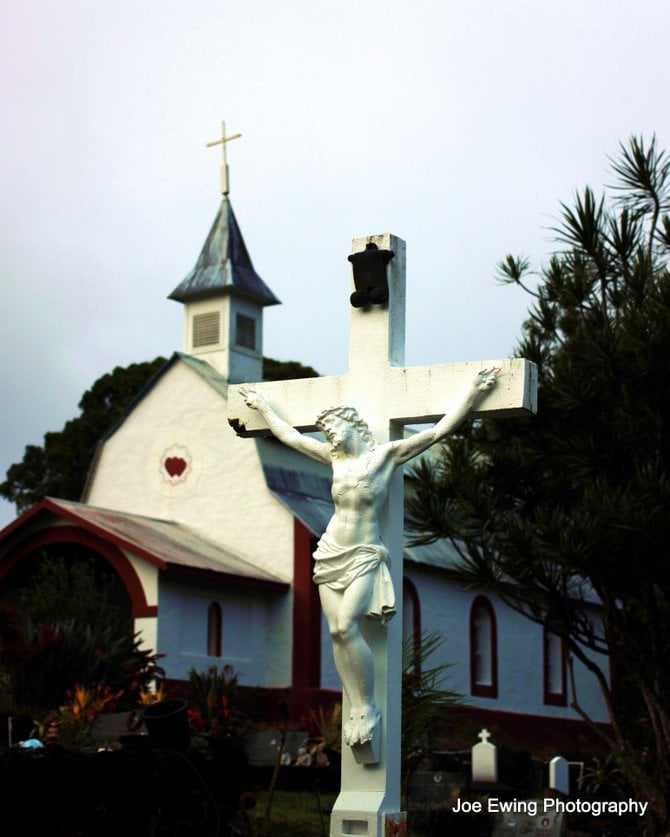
(294, 814)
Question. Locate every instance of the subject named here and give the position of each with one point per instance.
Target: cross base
(359, 814)
(369, 753)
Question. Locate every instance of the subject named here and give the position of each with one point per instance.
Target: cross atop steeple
(223, 141)
(224, 297)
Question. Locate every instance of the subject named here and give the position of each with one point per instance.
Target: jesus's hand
(253, 399)
(486, 380)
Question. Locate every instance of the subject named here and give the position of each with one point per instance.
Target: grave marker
(559, 775)
(484, 759)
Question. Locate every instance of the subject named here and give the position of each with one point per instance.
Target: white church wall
(147, 628)
(221, 494)
(148, 576)
(255, 632)
(445, 607)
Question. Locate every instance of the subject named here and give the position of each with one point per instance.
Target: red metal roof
(167, 545)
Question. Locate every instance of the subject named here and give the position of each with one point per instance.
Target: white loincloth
(337, 567)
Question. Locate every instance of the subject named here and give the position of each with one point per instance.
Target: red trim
(553, 698)
(54, 507)
(409, 590)
(62, 511)
(110, 552)
(271, 703)
(489, 690)
(306, 664)
(27, 515)
(214, 629)
(541, 735)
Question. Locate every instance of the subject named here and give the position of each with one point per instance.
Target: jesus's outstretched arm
(282, 430)
(406, 449)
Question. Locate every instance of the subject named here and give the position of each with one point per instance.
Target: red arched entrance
(77, 535)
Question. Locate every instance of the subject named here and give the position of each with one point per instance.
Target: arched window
(483, 649)
(555, 685)
(214, 630)
(411, 614)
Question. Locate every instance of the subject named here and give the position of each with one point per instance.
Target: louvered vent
(206, 329)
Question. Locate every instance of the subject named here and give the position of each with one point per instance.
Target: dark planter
(167, 724)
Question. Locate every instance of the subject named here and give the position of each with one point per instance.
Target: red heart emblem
(175, 466)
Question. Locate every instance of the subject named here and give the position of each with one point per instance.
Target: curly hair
(351, 417)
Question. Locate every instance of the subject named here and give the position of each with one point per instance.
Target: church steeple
(224, 297)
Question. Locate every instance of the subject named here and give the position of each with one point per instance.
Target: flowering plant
(71, 725)
(215, 696)
(147, 696)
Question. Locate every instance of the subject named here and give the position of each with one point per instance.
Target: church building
(212, 536)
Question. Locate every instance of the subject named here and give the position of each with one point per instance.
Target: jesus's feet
(368, 722)
(350, 729)
(362, 723)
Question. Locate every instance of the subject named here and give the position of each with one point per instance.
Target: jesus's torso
(359, 491)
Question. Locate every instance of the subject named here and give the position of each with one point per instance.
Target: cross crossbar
(415, 395)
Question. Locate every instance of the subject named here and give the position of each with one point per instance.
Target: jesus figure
(351, 562)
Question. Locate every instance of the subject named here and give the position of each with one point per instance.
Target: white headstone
(484, 759)
(559, 775)
(387, 395)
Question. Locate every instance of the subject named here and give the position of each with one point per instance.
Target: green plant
(44, 661)
(425, 703)
(67, 630)
(325, 726)
(71, 725)
(71, 584)
(215, 698)
(147, 695)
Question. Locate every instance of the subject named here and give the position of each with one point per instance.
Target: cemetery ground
(184, 768)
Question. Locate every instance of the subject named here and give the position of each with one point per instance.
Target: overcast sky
(458, 125)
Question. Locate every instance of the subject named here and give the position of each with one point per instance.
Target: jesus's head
(336, 419)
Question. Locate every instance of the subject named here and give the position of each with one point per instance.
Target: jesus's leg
(331, 601)
(353, 657)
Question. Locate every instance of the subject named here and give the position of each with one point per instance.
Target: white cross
(484, 735)
(387, 395)
(223, 141)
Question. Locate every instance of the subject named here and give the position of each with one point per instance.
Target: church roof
(165, 544)
(224, 265)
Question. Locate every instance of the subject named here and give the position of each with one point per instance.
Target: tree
(574, 503)
(283, 370)
(59, 467)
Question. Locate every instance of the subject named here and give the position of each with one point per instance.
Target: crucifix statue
(358, 561)
(351, 561)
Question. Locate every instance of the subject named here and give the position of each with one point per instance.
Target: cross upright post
(388, 396)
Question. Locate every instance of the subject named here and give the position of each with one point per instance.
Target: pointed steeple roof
(224, 265)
